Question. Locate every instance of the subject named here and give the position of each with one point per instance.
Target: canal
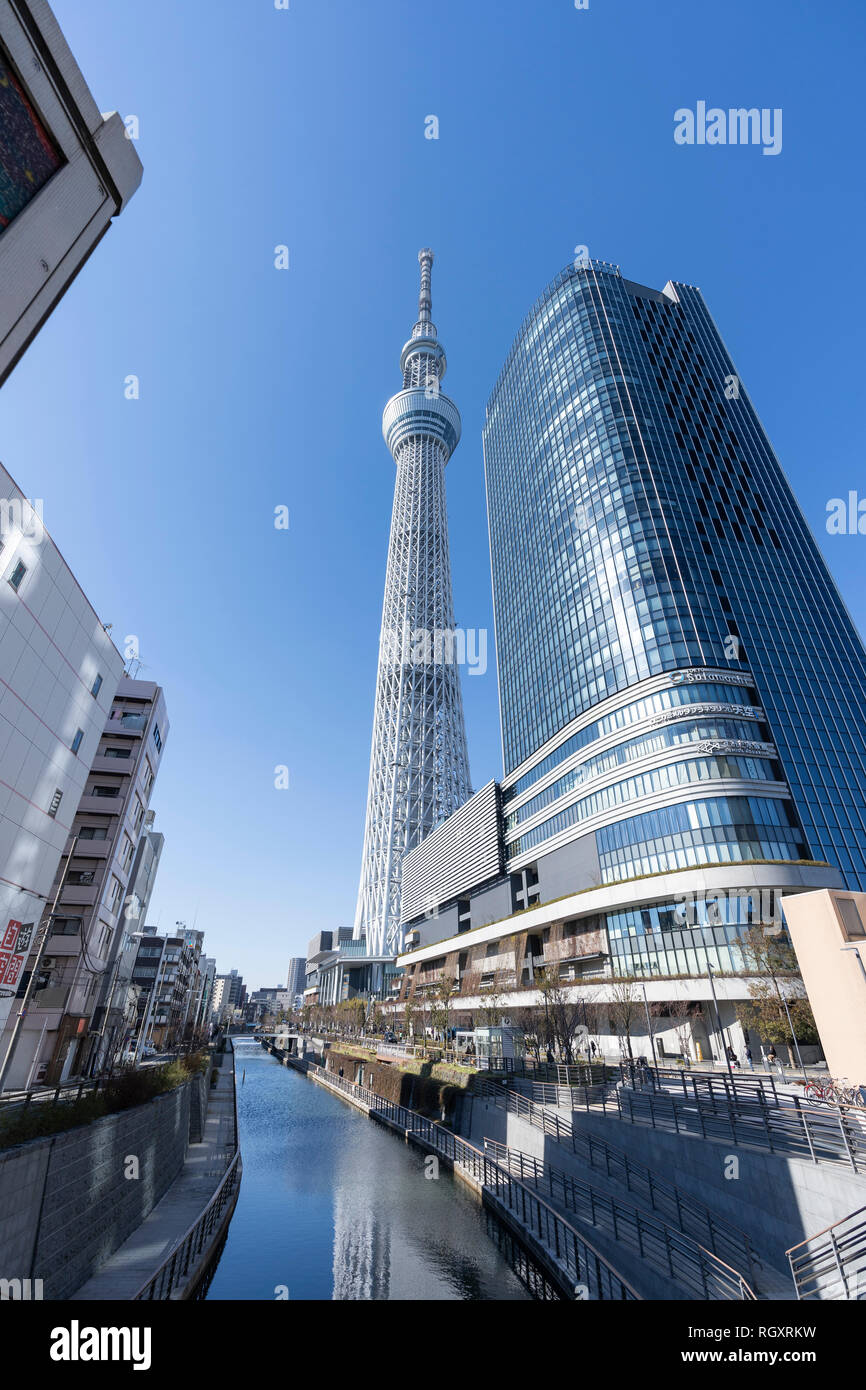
(334, 1206)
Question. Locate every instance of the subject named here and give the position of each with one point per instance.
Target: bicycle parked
(835, 1092)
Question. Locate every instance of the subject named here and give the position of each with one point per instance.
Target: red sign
(10, 935)
(11, 976)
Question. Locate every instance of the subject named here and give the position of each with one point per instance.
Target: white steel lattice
(419, 765)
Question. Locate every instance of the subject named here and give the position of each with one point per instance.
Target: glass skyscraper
(679, 677)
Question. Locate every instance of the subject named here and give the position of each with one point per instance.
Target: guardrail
(569, 1097)
(792, 1127)
(175, 1268)
(691, 1216)
(572, 1252)
(832, 1263)
(663, 1246)
(58, 1095)
(695, 1083)
(789, 1125)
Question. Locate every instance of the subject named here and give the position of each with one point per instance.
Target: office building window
(17, 575)
(96, 687)
(76, 742)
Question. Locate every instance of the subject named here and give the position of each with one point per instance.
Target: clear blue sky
(261, 388)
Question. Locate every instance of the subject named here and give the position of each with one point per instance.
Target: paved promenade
(141, 1255)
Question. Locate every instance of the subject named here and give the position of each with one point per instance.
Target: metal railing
(567, 1097)
(691, 1216)
(832, 1263)
(663, 1246)
(67, 1093)
(695, 1083)
(788, 1125)
(176, 1267)
(582, 1263)
(791, 1126)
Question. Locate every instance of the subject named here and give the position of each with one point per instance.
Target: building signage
(14, 945)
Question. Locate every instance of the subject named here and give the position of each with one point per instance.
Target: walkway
(140, 1256)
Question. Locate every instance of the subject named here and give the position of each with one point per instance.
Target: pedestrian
(732, 1057)
(550, 1057)
(749, 1058)
(341, 1073)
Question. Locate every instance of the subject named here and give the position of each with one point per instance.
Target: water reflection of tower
(362, 1246)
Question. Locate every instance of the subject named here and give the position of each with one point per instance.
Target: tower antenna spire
(425, 298)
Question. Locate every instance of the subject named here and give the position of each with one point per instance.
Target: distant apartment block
(296, 976)
(168, 973)
(78, 1010)
(67, 171)
(229, 994)
(58, 674)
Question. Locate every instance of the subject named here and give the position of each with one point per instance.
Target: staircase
(832, 1264)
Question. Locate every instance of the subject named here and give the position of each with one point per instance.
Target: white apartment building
(58, 674)
(73, 1019)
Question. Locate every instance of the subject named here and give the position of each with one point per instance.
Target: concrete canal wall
(68, 1201)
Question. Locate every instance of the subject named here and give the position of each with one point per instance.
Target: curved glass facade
(659, 741)
(718, 830)
(704, 692)
(640, 524)
(659, 779)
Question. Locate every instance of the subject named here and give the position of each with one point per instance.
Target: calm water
(333, 1206)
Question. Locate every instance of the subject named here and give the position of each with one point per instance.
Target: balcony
(63, 945)
(102, 805)
(130, 723)
(54, 997)
(80, 894)
(115, 766)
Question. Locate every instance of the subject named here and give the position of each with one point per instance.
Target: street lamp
(652, 1041)
(719, 1020)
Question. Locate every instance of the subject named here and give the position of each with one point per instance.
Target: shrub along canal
(334, 1206)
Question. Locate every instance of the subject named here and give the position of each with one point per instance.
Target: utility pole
(44, 933)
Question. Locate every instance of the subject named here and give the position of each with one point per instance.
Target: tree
(443, 992)
(491, 1001)
(409, 1014)
(626, 1007)
(564, 1013)
(529, 1019)
(770, 955)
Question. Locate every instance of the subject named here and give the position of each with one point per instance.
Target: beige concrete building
(828, 929)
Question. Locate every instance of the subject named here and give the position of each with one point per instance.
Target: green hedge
(124, 1091)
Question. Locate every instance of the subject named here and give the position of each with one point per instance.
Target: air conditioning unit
(48, 963)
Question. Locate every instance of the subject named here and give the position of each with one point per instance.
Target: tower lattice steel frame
(419, 764)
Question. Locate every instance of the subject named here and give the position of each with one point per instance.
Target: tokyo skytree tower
(419, 764)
